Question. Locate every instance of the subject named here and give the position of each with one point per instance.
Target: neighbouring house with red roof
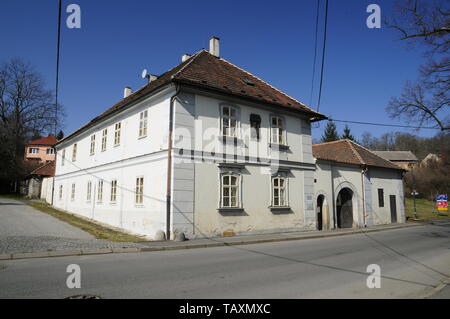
(354, 187)
(41, 150)
(36, 184)
(205, 149)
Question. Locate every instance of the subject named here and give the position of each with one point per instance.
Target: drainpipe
(169, 164)
(363, 172)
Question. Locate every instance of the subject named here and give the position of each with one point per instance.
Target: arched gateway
(344, 208)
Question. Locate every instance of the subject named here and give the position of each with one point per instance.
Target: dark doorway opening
(393, 205)
(344, 209)
(319, 208)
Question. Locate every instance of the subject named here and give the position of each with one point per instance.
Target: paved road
(413, 261)
(25, 229)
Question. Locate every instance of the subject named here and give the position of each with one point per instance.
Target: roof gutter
(169, 165)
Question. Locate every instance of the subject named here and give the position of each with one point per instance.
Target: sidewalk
(208, 242)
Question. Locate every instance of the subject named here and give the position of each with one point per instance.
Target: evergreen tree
(60, 135)
(330, 134)
(347, 134)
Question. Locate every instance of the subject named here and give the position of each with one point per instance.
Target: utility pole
(414, 193)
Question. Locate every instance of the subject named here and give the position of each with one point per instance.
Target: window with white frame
(278, 132)
(230, 191)
(92, 151)
(34, 150)
(139, 199)
(63, 157)
(74, 152)
(100, 191)
(113, 191)
(117, 128)
(72, 194)
(104, 139)
(60, 192)
(143, 116)
(229, 121)
(89, 191)
(279, 191)
(50, 151)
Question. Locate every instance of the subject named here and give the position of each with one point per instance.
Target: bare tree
(425, 101)
(27, 109)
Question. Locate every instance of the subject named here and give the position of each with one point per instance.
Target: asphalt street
(413, 262)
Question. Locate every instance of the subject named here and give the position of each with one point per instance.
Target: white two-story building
(205, 149)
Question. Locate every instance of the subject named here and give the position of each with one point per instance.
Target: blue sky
(274, 40)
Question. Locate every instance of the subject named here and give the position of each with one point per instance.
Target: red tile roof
(47, 169)
(49, 140)
(203, 70)
(349, 152)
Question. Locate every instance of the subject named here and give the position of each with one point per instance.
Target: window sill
(280, 207)
(280, 147)
(230, 209)
(142, 137)
(139, 205)
(230, 140)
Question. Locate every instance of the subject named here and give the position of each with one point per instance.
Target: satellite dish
(145, 74)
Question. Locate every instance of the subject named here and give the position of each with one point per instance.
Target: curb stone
(101, 251)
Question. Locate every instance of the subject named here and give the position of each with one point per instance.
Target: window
(139, 190)
(277, 126)
(63, 157)
(74, 153)
(113, 191)
(143, 123)
(279, 192)
(100, 191)
(50, 151)
(230, 191)
(34, 150)
(92, 144)
(229, 121)
(255, 125)
(380, 197)
(117, 133)
(89, 191)
(60, 192)
(72, 194)
(104, 139)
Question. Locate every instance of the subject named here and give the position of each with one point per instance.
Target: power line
(382, 124)
(57, 66)
(323, 53)
(315, 53)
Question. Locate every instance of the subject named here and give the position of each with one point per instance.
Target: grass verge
(97, 230)
(426, 210)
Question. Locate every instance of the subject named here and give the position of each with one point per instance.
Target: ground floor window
(113, 191)
(139, 191)
(60, 192)
(89, 191)
(279, 190)
(230, 191)
(72, 195)
(100, 191)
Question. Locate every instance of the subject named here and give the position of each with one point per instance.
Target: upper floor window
(229, 121)
(279, 188)
(278, 130)
(143, 116)
(34, 150)
(117, 133)
(255, 126)
(92, 152)
(50, 151)
(230, 191)
(74, 152)
(104, 139)
(139, 199)
(63, 159)
(113, 191)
